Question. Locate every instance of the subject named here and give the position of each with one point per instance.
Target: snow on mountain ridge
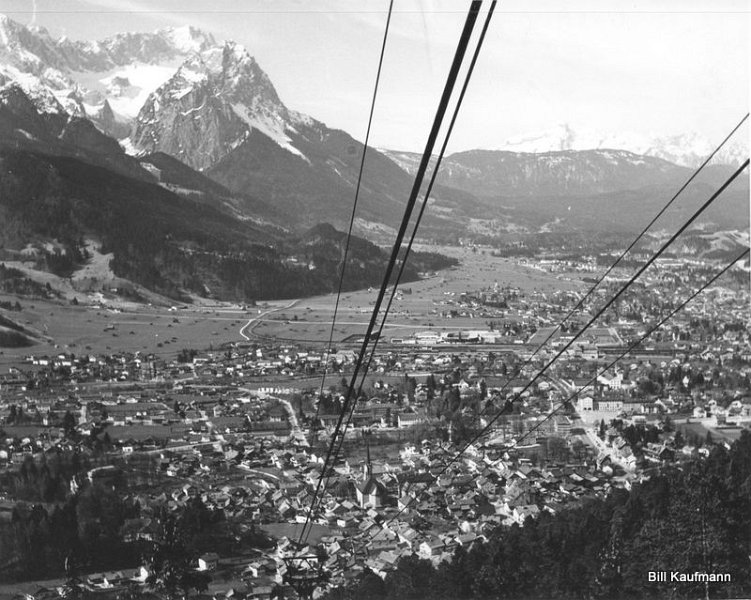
(187, 38)
(210, 106)
(35, 44)
(688, 149)
(80, 74)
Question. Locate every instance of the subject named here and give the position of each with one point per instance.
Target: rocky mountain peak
(212, 103)
(16, 101)
(140, 61)
(9, 30)
(187, 39)
(41, 99)
(243, 77)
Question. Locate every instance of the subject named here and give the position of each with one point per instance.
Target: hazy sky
(661, 66)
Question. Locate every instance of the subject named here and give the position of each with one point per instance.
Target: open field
(293, 530)
(92, 330)
(719, 434)
(310, 319)
(603, 335)
(157, 329)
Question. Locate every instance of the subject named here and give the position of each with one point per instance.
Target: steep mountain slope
(494, 173)
(631, 210)
(106, 81)
(168, 227)
(24, 126)
(166, 242)
(566, 173)
(191, 104)
(208, 107)
(217, 111)
(589, 189)
(171, 172)
(221, 113)
(181, 179)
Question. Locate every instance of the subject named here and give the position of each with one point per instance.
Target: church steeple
(368, 467)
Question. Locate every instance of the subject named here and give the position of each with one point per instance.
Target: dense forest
(56, 522)
(171, 244)
(689, 518)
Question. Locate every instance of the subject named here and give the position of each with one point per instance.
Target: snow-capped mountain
(107, 81)
(563, 173)
(24, 127)
(210, 106)
(158, 86)
(207, 104)
(687, 149)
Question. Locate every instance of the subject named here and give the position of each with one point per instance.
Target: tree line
(693, 518)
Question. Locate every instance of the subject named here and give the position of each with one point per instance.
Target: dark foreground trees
(692, 518)
(172, 557)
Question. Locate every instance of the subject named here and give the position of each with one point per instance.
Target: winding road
(255, 320)
(297, 433)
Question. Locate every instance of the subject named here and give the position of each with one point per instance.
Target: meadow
(310, 319)
(164, 331)
(148, 329)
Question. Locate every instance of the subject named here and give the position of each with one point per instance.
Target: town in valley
(236, 431)
(405, 300)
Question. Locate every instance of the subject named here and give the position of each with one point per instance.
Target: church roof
(372, 486)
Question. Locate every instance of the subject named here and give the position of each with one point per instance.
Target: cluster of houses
(197, 429)
(372, 514)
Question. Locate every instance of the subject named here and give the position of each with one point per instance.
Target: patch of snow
(192, 110)
(128, 147)
(687, 149)
(178, 189)
(44, 100)
(191, 75)
(91, 109)
(143, 79)
(269, 126)
(177, 94)
(213, 59)
(186, 39)
(301, 119)
(26, 134)
(152, 169)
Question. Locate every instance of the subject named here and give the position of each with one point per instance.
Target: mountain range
(215, 174)
(687, 149)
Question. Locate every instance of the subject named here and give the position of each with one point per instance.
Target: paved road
(255, 320)
(603, 448)
(297, 433)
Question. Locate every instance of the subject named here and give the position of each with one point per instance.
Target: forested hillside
(688, 519)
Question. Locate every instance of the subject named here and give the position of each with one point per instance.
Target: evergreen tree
(69, 425)
(172, 557)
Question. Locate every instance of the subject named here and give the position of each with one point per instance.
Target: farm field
(164, 331)
(92, 330)
(310, 319)
(606, 335)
